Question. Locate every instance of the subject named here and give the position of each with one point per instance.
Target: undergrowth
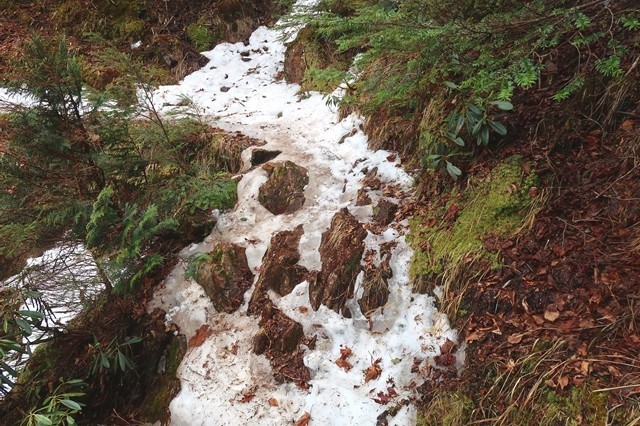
(472, 58)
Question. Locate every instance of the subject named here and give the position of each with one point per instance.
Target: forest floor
(553, 334)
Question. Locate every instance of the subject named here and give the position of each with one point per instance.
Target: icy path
(239, 90)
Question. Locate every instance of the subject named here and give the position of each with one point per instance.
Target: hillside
(450, 237)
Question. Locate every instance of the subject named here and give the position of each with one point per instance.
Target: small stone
(225, 89)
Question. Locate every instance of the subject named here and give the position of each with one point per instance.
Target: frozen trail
(239, 91)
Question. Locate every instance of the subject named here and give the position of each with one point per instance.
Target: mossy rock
(225, 276)
(445, 239)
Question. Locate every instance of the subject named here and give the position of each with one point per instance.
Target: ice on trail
(240, 90)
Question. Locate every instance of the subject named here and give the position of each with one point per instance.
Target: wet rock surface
(225, 276)
(384, 212)
(375, 287)
(278, 339)
(341, 250)
(283, 193)
(280, 271)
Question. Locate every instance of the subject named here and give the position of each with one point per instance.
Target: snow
(65, 276)
(214, 377)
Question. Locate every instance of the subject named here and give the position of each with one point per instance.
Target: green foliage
(201, 36)
(18, 331)
(485, 51)
(194, 263)
(115, 356)
(60, 407)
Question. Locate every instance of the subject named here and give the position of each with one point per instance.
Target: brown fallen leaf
(551, 316)
(247, 397)
(304, 420)
(201, 335)
(447, 347)
(342, 361)
(303, 309)
(563, 382)
(374, 371)
(273, 402)
(344, 364)
(514, 339)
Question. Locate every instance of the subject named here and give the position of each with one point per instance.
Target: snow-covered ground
(239, 90)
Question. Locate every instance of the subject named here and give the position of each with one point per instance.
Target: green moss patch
(454, 233)
(201, 36)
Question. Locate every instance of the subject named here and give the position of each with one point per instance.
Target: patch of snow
(247, 96)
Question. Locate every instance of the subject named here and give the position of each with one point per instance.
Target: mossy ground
(454, 232)
(164, 384)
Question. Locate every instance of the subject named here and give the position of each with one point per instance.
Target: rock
(226, 276)
(363, 198)
(384, 212)
(261, 156)
(280, 269)
(278, 339)
(277, 332)
(224, 89)
(376, 288)
(341, 250)
(284, 191)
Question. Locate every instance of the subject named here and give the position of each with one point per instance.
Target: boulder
(284, 191)
(341, 250)
(225, 276)
(280, 269)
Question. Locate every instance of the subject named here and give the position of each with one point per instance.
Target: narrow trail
(239, 91)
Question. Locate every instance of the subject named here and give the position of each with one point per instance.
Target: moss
(446, 409)
(579, 406)
(497, 205)
(201, 36)
(165, 385)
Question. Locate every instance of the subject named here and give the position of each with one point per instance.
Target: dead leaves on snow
(342, 361)
(374, 371)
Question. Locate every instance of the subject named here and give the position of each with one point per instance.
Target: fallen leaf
(585, 367)
(344, 364)
(247, 397)
(201, 335)
(273, 402)
(447, 347)
(563, 382)
(514, 339)
(583, 349)
(303, 309)
(579, 379)
(234, 348)
(551, 316)
(382, 399)
(374, 371)
(342, 361)
(304, 420)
